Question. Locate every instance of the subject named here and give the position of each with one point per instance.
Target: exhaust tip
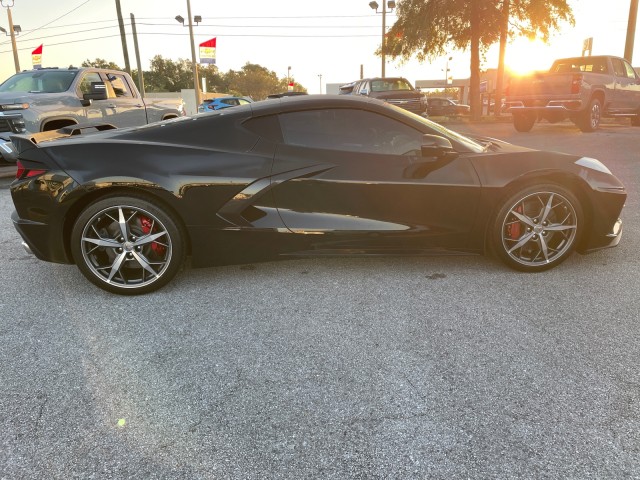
(27, 248)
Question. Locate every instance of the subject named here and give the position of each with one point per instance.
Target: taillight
(23, 172)
(576, 82)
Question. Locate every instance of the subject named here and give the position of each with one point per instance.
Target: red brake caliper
(146, 224)
(513, 230)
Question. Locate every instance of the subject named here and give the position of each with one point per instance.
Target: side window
(242, 101)
(362, 88)
(85, 83)
(350, 130)
(631, 73)
(618, 68)
(119, 85)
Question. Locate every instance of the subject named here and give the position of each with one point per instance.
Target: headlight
(14, 106)
(593, 164)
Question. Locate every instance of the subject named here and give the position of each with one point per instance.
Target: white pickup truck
(52, 98)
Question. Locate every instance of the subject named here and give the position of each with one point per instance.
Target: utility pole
(125, 52)
(8, 4)
(194, 62)
(135, 47)
(631, 31)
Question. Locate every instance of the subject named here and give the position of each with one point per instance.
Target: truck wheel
(589, 120)
(523, 122)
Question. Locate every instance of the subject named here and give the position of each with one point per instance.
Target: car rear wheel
(589, 120)
(537, 228)
(127, 245)
(523, 122)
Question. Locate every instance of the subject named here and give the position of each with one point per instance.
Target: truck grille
(412, 104)
(5, 126)
(12, 123)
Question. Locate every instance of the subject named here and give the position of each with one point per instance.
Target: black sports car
(307, 175)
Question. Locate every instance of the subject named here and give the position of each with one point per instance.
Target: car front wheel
(537, 228)
(127, 245)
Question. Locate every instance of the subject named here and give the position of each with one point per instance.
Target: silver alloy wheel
(126, 246)
(594, 115)
(539, 228)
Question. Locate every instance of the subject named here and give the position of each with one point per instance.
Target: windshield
(39, 81)
(390, 84)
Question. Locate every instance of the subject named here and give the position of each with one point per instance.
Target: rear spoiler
(26, 141)
(69, 131)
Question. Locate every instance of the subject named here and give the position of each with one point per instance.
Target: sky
(321, 41)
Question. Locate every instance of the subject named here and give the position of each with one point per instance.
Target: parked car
(397, 91)
(347, 88)
(582, 89)
(211, 104)
(445, 107)
(51, 98)
(307, 175)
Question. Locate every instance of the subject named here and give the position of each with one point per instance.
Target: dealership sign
(36, 57)
(208, 51)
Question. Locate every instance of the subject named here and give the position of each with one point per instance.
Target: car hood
(8, 98)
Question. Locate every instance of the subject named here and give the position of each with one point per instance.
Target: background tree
(166, 75)
(256, 82)
(430, 28)
(100, 63)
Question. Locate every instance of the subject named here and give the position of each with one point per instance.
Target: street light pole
(196, 86)
(8, 4)
(374, 6)
(384, 40)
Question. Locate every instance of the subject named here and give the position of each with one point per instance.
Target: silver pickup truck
(582, 89)
(53, 98)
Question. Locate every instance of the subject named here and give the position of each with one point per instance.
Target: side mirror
(98, 92)
(438, 147)
(364, 91)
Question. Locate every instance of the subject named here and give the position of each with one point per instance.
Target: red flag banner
(36, 57)
(208, 51)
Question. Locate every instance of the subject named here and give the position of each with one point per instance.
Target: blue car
(211, 104)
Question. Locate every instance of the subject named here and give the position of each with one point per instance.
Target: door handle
(111, 105)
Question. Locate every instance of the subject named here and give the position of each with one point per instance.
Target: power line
(56, 19)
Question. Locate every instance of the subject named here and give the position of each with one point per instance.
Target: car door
(626, 98)
(124, 107)
(360, 174)
(98, 110)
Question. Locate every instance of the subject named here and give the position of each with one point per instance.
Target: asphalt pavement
(7, 171)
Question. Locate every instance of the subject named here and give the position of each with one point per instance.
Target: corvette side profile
(305, 175)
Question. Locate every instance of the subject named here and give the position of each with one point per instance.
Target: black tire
(523, 122)
(537, 227)
(127, 245)
(589, 120)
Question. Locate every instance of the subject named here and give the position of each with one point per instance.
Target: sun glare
(525, 56)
